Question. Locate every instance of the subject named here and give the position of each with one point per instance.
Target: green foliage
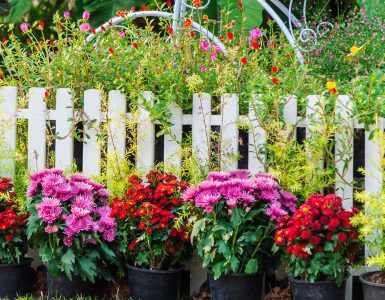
(18, 9)
(237, 243)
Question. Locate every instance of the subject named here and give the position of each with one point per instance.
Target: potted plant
(319, 245)
(370, 224)
(148, 239)
(70, 222)
(15, 269)
(234, 230)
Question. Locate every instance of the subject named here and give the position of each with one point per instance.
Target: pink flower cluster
(239, 188)
(78, 205)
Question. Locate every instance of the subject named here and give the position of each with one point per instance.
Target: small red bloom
(244, 60)
(93, 30)
(240, 4)
(306, 234)
(342, 237)
(168, 3)
(274, 69)
(255, 45)
(41, 24)
(274, 80)
(46, 94)
(221, 38)
(135, 45)
(315, 240)
(170, 30)
(142, 225)
(324, 220)
(111, 50)
(102, 28)
(230, 35)
(192, 34)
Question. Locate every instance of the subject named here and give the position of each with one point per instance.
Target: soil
(377, 277)
(282, 291)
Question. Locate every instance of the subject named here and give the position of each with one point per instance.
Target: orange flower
(197, 3)
(121, 13)
(205, 18)
(187, 23)
(145, 7)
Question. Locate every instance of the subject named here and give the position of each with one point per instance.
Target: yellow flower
(331, 85)
(354, 50)
(383, 161)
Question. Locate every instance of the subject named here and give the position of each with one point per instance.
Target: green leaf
(198, 227)
(67, 261)
(252, 12)
(107, 251)
(218, 269)
(18, 9)
(373, 7)
(87, 268)
(224, 248)
(235, 217)
(252, 266)
(234, 263)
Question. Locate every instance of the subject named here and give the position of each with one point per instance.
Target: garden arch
(306, 35)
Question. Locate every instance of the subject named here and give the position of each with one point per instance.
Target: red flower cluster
(9, 219)
(319, 225)
(150, 209)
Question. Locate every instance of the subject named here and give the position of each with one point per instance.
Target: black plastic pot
(319, 290)
(237, 287)
(15, 279)
(60, 286)
(144, 284)
(372, 290)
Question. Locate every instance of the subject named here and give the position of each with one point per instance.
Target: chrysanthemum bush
(71, 224)
(319, 241)
(234, 223)
(13, 239)
(148, 235)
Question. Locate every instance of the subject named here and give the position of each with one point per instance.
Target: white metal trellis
(306, 35)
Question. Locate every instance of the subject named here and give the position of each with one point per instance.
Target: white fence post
(314, 121)
(172, 145)
(201, 127)
(145, 137)
(344, 150)
(117, 125)
(229, 131)
(64, 145)
(290, 112)
(37, 119)
(91, 147)
(257, 139)
(8, 107)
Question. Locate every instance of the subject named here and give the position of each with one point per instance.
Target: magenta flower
(213, 57)
(203, 69)
(217, 49)
(49, 209)
(122, 34)
(67, 242)
(85, 27)
(67, 15)
(255, 33)
(86, 15)
(24, 27)
(204, 46)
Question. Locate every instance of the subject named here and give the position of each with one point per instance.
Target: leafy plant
(147, 236)
(234, 227)
(318, 240)
(13, 240)
(71, 224)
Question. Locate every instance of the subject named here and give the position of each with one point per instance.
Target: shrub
(318, 239)
(70, 222)
(233, 231)
(146, 215)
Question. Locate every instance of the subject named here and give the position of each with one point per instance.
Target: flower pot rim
(237, 274)
(131, 267)
(371, 283)
(292, 279)
(25, 261)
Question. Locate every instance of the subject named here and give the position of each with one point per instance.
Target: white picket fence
(201, 121)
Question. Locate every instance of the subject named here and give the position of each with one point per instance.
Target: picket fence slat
(117, 107)
(290, 112)
(91, 147)
(37, 129)
(201, 126)
(145, 137)
(172, 142)
(257, 139)
(8, 107)
(64, 145)
(229, 131)
(344, 150)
